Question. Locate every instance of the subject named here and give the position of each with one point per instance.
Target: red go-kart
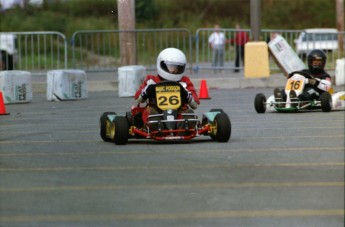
(168, 124)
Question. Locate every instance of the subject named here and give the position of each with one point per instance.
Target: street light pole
(255, 19)
(340, 22)
(126, 15)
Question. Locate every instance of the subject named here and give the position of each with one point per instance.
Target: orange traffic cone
(2, 106)
(203, 90)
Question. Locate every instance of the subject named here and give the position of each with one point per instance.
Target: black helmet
(316, 61)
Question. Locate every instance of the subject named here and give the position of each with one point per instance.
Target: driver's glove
(313, 82)
(147, 91)
(186, 96)
(193, 104)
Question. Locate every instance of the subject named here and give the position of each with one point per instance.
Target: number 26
(164, 101)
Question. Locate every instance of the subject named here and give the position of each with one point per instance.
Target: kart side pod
(219, 125)
(210, 115)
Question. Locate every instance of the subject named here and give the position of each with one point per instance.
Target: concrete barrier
(16, 86)
(130, 78)
(66, 84)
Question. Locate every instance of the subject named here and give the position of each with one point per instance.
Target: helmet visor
(317, 63)
(173, 67)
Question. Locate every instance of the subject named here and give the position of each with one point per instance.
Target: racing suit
(314, 91)
(151, 107)
(314, 87)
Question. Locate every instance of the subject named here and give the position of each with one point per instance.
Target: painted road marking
(171, 186)
(237, 139)
(173, 216)
(170, 167)
(299, 149)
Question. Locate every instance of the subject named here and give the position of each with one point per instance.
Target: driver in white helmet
(171, 65)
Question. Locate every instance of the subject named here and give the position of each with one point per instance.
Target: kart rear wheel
(104, 125)
(120, 129)
(221, 128)
(326, 102)
(260, 103)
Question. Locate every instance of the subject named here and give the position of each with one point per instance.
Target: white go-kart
(328, 101)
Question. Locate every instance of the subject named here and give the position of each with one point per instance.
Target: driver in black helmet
(314, 87)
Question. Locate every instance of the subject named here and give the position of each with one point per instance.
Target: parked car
(9, 4)
(317, 38)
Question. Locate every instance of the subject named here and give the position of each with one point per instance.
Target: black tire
(221, 128)
(121, 128)
(103, 125)
(260, 103)
(326, 102)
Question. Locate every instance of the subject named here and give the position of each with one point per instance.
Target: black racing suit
(310, 92)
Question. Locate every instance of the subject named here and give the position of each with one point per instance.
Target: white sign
(285, 56)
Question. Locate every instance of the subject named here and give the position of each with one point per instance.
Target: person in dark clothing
(315, 86)
(241, 38)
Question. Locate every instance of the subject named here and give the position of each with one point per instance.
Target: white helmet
(171, 64)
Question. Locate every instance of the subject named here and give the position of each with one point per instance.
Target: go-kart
(168, 124)
(328, 100)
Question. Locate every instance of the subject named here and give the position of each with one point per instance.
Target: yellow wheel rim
(110, 126)
(214, 127)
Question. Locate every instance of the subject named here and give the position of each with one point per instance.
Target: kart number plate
(168, 97)
(294, 84)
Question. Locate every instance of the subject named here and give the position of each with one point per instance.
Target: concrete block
(16, 86)
(256, 60)
(66, 84)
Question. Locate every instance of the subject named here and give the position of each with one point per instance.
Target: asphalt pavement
(277, 169)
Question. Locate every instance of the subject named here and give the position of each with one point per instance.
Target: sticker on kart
(295, 83)
(168, 97)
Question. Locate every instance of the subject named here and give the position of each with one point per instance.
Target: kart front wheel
(104, 123)
(120, 129)
(260, 103)
(221, 128)
(326, 102)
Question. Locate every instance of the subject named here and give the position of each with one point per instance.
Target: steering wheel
(305, 74)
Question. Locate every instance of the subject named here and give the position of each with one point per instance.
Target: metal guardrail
(35, 51)
(203, 51)
(99, 50)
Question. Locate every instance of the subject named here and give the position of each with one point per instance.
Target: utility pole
(255, 19)
(126, 13)
(340, 23)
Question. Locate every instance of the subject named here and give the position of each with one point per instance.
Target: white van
(9, 4)
(317, 38)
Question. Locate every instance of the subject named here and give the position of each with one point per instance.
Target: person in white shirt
(217, 42)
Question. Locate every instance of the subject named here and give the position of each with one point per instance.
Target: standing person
(171, 65)
(241, 38)
(217, 42)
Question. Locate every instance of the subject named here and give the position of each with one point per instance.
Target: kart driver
(314, 87)
(171, 64)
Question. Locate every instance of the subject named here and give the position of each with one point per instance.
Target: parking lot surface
(278, 169)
